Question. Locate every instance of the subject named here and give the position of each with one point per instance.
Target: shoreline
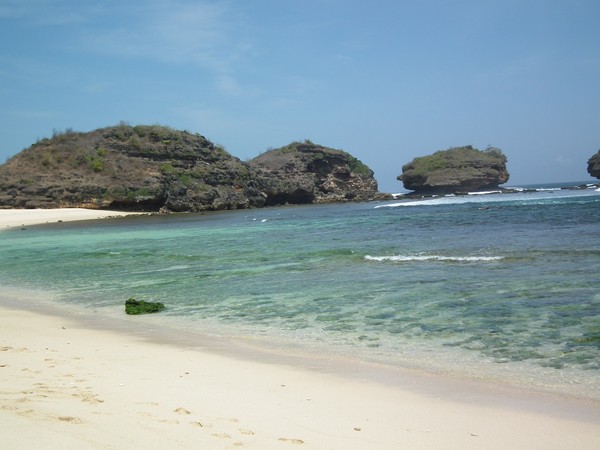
(416, 374)
(15, 218)
(79, 382)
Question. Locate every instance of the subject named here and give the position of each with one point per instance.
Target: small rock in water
(134, 307)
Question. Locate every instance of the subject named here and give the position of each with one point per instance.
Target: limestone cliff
(151, 168)
(458, 169)
(303, 172)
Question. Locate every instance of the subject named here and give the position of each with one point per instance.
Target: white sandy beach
(26, 217)
(67, 386)
(67, 382)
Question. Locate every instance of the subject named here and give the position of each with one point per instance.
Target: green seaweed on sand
(133, 307)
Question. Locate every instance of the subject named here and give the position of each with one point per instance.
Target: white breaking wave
(540, 195)
(165, 269)
(408, 258)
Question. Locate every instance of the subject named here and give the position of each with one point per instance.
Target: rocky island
(593, 167)
(456, 170)
(157, 168)
(303, 172)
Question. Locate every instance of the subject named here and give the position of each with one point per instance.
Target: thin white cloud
(200, 34)
(15, 9)
(230, 85)
(563, 160)
(37, 114)
(41, 12)
(515, 72)
(216, 124)
(182, 32)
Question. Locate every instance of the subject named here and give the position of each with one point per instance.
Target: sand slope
(68, 387)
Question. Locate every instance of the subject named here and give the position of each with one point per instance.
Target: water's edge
(451, 386)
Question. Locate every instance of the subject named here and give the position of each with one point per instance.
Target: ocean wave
(163, 269)
(409, 258)
(539, 196)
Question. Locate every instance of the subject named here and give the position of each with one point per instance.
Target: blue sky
(385, 80)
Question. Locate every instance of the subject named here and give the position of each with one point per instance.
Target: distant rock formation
(152, 168)
(593, 167)
(458, 169)
(303, 172)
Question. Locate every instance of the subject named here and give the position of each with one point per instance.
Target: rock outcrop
(593, 167)
(152, 168)
(303, 172)
(458, 169)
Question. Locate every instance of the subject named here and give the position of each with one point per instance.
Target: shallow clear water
(495, 286)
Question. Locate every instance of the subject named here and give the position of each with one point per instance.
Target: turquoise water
(501, 286)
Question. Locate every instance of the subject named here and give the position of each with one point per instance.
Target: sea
(502, 287)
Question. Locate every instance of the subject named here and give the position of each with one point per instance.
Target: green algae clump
(134, 307)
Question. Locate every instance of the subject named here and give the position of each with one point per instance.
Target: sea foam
(408, 258)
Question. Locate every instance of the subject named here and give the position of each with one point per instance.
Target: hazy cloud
(173, 32)
(41, 12)
(563, 160)
(15, 9)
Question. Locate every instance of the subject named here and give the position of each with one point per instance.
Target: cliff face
(310, 173)
(123, 167)
(458, 169)
(593, 167)
(146, 168)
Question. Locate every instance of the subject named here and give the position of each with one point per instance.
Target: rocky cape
(157, 168)
(593, 167)
(456, 170)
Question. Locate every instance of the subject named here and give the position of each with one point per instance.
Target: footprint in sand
(88, 397)
(182, 411)
(41, 388)
(222, 435)
(171, 422)
(201, 424)
(229, 419)
(292, 441)
(70, 419)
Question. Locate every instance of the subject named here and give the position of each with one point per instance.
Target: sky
(385, 80)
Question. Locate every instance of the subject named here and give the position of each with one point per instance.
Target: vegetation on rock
(456, 169)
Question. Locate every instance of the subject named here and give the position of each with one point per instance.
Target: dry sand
(68, 383)
(26, 217)
(68, 386)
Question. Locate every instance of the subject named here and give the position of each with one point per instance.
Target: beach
(75, 380)
(67, 386)
(10, 218)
